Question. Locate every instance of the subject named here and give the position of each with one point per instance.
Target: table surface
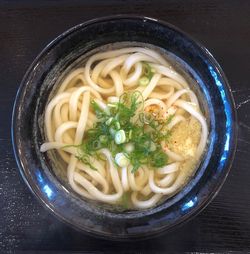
(222, 26)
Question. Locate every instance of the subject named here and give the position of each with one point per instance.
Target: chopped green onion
(117, 125)
(102, 106)
(152, 147)
(112, 132)
(158, 159)
(129, 147)
(144, 81)
(109, 121)
(120, 137)
(91, 131)
(121, 160)
(112, 105)
(96, 144)
(135, 143)
(130, 134)
(103, 139)
(147, 70)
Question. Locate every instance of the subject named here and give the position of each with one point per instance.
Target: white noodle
(104, 78)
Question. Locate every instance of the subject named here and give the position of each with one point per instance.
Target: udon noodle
(88, 100)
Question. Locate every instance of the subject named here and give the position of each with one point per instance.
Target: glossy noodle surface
(128, 127)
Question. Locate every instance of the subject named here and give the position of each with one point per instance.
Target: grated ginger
(184, 141)
(185, 138)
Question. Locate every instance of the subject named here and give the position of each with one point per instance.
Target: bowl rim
(222, 177)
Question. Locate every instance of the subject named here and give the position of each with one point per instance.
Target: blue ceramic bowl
(56, 59)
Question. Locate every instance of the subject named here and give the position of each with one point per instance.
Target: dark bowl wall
(36, 88)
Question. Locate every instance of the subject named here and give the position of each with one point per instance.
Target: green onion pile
(132, 136)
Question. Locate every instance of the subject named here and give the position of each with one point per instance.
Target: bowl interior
(77, 59)
(41, 81)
